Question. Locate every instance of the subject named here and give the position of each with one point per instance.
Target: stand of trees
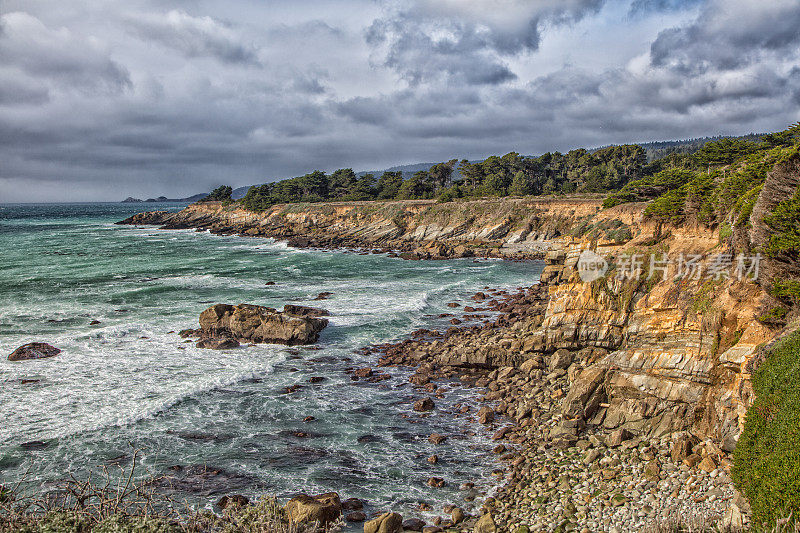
(623, 171)
(512, 174)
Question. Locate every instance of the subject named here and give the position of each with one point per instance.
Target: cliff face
(655, 354)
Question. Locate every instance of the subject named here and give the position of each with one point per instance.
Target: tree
(389, 185)
(441, 174)
(342, 182)
(416, 187)
(220, 194)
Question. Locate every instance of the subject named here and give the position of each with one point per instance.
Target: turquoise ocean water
(128, 383)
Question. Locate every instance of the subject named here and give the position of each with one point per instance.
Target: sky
(100, 100)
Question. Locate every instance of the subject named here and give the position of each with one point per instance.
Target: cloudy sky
(100, 100)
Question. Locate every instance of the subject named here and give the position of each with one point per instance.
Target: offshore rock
(257, 324)
(33, 350)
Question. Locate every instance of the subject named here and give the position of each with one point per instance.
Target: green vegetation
(766, 461)
(512, 174)
(612, 230)
(785, 223)
(220, 194)
(718, 182)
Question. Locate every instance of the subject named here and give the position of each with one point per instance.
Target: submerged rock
(33, 350)
(203, 480)
(257, 324)
(302, 310)
(218, 344)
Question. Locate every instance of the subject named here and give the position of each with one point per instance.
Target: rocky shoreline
(554, 475)
(616, 402)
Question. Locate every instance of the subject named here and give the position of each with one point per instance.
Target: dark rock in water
(404, 437)
(425, 404)
(364, 439)
(413, 524)
(309, 419)
(436, 438)
(323, 508)
(254, 323)
(25, 381)
(303, 311)
(218, 344)
(270, 283)
(237, 500)
(356, 516)
(352, 504)
(436, 482)
(94, 322)
(362, 372)
(33, 350)
(203, 480)
(186, 333)
(34, 445)
(323, 295)
(118, 460)
(196, 436)
(316, 379)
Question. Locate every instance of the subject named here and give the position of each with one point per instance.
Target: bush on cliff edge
(767, 459)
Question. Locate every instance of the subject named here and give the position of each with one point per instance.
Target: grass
(767, 457)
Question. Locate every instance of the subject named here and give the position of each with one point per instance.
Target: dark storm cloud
(726, 39)
(466, 42)
(148, 97)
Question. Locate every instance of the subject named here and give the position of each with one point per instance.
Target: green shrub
(785, 223)
(767, 458)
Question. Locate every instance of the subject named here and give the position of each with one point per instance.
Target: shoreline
(594, 441)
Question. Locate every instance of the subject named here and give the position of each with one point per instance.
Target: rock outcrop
(257, 324)
(33, 350)
(322, 509)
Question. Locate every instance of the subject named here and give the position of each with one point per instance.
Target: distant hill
(164, 199)
(659, 149)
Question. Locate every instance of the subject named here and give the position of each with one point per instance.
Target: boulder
(534, 363)
(485, 524)
(617, 437)
(254, 323)
(352, 504)
(385, 523)
(323, 509)
(33, 350)
(237, 500)
(560, 360)
(356, 516)
(585, 394)
(413, 524)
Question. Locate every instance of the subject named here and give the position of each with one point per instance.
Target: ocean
(131, 383)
